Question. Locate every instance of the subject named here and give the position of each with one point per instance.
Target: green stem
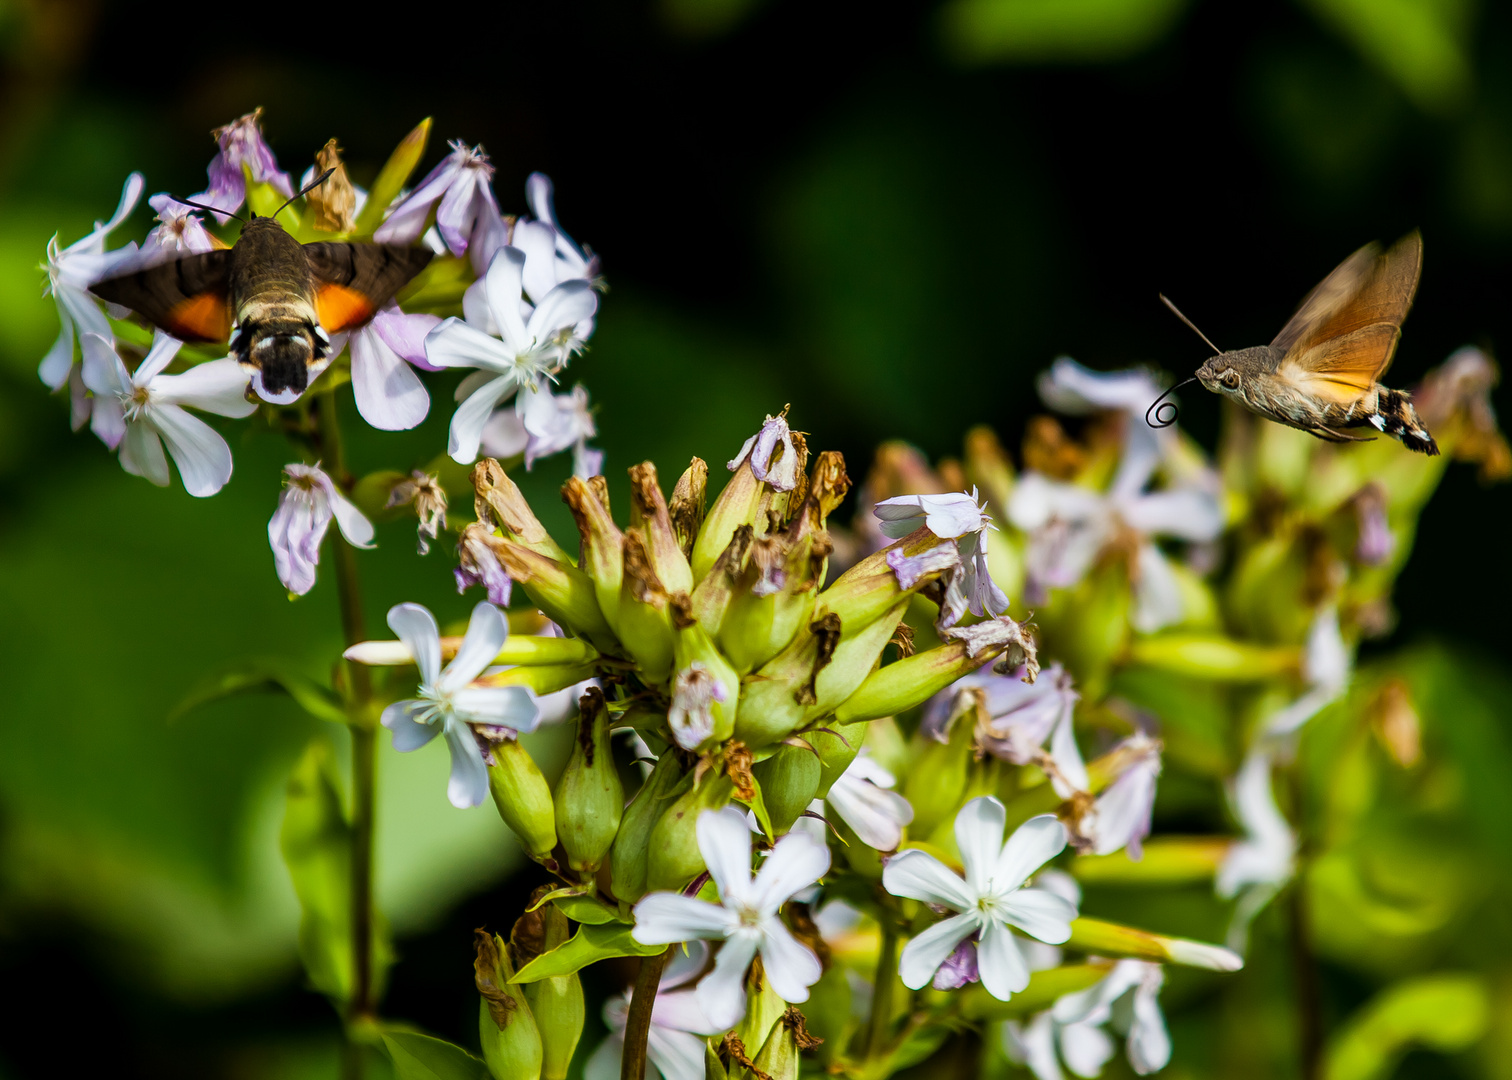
(361, 1008)
(1304, 961)
(638, 1022)
(882, 991)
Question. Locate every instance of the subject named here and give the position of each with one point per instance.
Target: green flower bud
(764, 1009)
(934, 786)
(540, 678)
(686, 507)
(556, 1003)
(645, 616)
(673, 858)
(869, 589)
(589, 796)
(648, 513)
(762, 618)
(1211, 656)
(789, 781)
(563, 592)
(523, 798)
(713, 594)
(601, 545)
(736, 506)
(778, 1057)
(628, 857)
(499, 500)
(511, 1041)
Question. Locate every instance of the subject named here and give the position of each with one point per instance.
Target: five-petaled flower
(1074, 1026)
(139, 411)
(309, 501)
(449, 704)
(989, 899)
(467, 216)
(745, 919)
(241, 146)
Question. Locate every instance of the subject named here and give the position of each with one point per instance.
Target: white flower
(1264, 856)
(1127, 997)
(142, 410)
(556, 422)
(746, 917)
(298, 527)
(990, 899)
(569, 260)
(761, 446)
(448, 704)
(956, 516)
(674, 1042)
(695, 692)
(180, 232)
(70, 273)
(1325, 669)
(861, 797)
(1121, 815)
(526, 352)
(389, 395)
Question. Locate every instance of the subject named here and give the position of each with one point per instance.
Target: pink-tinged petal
(675, 1054)
(504, 436)
(486, 633)
(389, 394)
(102, 368)
(1040, 914)
(55, 366)
(979, 837)
(295, 534)
(219, 387)
(202, 456)
(1149, 1045)
(923, 955)
(725, 843)
(407, 219)
(357, 529)
(920, 876)
(1000, 963)
(467, 423)
(405, 334)
(490, 231)
(468, 784)
(790, 966)
(876, 815)
(416, 627)
(409, 732)
(1067, 755)
(142, 454)
(745, 450)
(1032, 844)
(722, 991)
(457, 212)
(680, 1010)
(664, 918)
(108, 420)
(796, 862)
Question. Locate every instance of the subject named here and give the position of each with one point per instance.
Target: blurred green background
(890, 216)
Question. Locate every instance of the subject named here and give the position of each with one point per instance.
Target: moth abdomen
(282, 351)
(1396, 417)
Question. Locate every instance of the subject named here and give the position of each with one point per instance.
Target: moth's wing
(1342, 355)
(1328, 298)
(188, 297)
(352, 281)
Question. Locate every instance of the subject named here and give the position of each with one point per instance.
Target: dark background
(865, 210)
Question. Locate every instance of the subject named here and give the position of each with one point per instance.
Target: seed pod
(523, 798)
(789, 780)
(589, 797)
(672, 857)
(556, 1003)
(627, 859)
(511, 1041)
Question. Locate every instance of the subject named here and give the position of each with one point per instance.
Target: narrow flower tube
(873, 585)
(1111, 939)
(735, 506)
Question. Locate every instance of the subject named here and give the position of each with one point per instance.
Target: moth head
(1219, 376)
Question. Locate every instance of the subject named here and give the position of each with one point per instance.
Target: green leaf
(261, 675)
(1446, 1012)
(391, 178)
(589, 944)
(585, 909)
(421, 1057)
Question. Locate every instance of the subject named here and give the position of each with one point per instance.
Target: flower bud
(736, 506)
(1209, 656)
(539, 678)
(645, 617)
(648, 513)
(865, 591)
(500, 500)
(556, 1003)
(770, 601)
(589, 796)
(523, 798)
(601, 552)
(713, 594)
(511, 1041)
(1112, 939)
(627, 859)
(673, 858)
(563, 592)
(789, 781)
(689, 499)
(778, 1057)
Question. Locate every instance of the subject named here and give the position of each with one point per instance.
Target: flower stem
(638, 1022)
(361, 1009)
(882, 991)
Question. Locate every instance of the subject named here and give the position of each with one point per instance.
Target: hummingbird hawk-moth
(277, 300)
(1321, 373)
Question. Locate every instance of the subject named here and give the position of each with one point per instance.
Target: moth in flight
(277, 300)
(1321, 374)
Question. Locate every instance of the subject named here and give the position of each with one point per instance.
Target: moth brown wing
(352, 281)
(189, 297)
(1344, 355)
(1327, 298)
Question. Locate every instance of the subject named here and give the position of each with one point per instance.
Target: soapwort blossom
(1072, 1030)
(958, 517)
(695, 692)
(526, 353)
(1120, 817)
(478, 564)
(70, 273)
(140, 411)
(745, 919)
(449, 704)
(1259, 864)
(467, 213)
(385, 349)
(179, 232)
(570, 260)
(863, 799)
(298, 527)
(546, 424)
(761, 448)
(241, 144)
(989, 900)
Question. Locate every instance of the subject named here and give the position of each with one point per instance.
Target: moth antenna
(311, 186)
(212, 209)
(1160, 404)
(1177, 311)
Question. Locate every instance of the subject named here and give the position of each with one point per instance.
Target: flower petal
(979, 836)
(142, 454)
(1032, 844)
(875, 814)
(666, 918)
(487, 631)
(725, 843)
(468, 785)
(455, 343)
(1000, 963)
(790, 966)
(219, 387)
(1149, 1043)
(1041, 914)
(202, 456)
(467, 423)
(918, 875)
(795, 863)
(390, 396)
(568, 304)
(503, 285)
(416, 627)
(353, 524)
(503, 706)
(409, 733)
(722, 991)
(677, 1055)
(923, 955)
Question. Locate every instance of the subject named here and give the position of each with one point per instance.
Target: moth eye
(1231, 379)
